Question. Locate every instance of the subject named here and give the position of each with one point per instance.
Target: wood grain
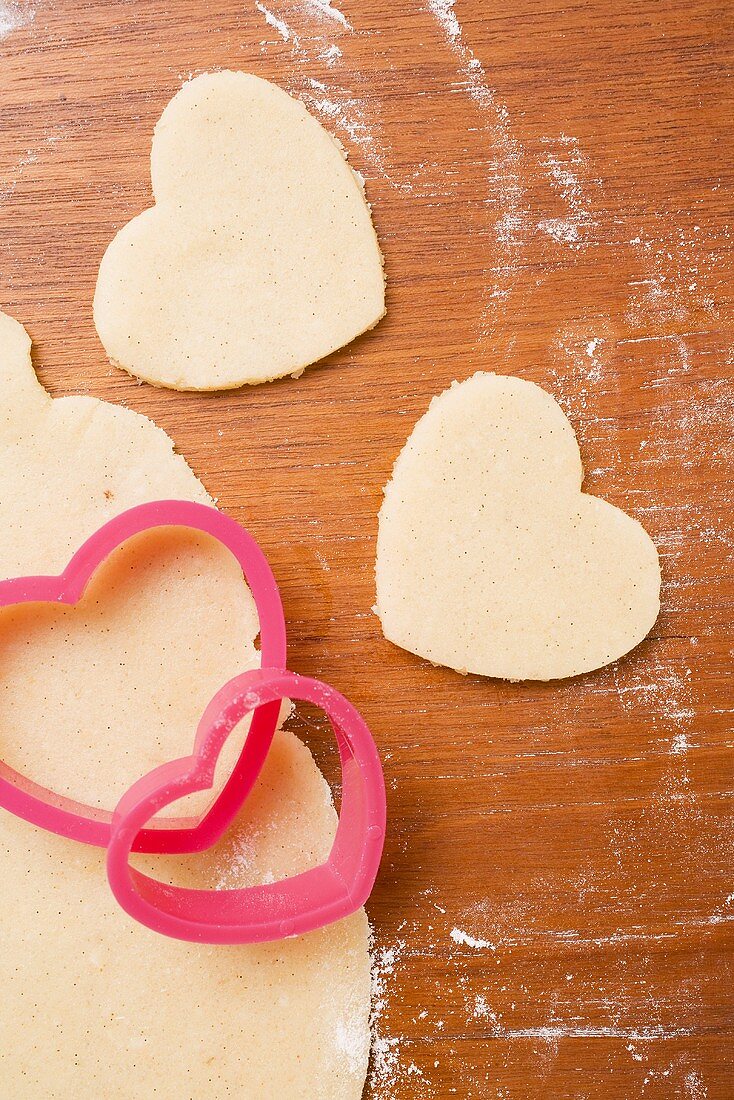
(552, 190)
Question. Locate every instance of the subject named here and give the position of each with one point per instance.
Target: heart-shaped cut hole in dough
(112, 551)
(259, 256)
(490, 559)
(93, 696)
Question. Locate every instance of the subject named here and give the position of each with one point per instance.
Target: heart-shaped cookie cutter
(255, 914)
(89, 824)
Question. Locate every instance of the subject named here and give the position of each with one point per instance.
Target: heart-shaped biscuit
(89, 824)
(490, 559)
(259, 256)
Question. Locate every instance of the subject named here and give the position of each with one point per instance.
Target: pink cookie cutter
(89, 824)
(272, 911)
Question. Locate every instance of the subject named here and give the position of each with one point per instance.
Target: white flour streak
(15, 16)
(348, 114)
(663, 690)
(280, 25)
(565, 166)
(445, 14)
(465, 940)
(506, 191)
(323, 7)
(552, 1033)
(388, 1068)
(330, 55)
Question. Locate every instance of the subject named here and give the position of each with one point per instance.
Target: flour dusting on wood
(566, 167)
(330, 11)
(307, 30)
(279, 25)
(391, 1065)
(14, 16)
(505, 154)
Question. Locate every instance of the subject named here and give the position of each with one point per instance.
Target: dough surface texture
(259, 256)
(490, 559)
(93, 696)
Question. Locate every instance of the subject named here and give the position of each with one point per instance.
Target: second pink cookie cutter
(274, 910)
(89, 824)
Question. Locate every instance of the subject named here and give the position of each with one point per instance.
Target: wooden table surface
(552, 189)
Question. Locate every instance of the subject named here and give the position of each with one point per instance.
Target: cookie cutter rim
(91, 825)
(272, 911)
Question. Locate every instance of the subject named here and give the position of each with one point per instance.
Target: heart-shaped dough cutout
(259, 256)
(490, 559)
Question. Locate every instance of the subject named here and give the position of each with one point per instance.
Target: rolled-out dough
(93, 1004)
(490, 559)
(259, 256)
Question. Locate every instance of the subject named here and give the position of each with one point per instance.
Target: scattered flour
(671, 265)
(578, 377)
(565, 166)
(482, 1010)
(465, 940)
(388, 1066)
(331, 54)
(280, 25)
(445, 14)
(563, 163)
(30, 157)
(662, 687)
(506, 192)
(695, 1088)
(14, 16)
(680, 745)
(724, 912)
(633, 1015)
(349, 115)
(350, 1042)
(329, 11)
(8, 186)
